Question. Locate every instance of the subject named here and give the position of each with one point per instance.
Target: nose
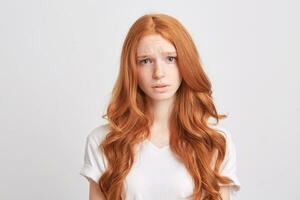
(158, 71)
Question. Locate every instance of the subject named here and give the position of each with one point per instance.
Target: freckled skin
(157, 66)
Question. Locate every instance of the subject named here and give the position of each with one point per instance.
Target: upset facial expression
(158, 74)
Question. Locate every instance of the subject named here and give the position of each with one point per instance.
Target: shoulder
(226, 133)
(95, 162)
(222, 130)
(98, 134)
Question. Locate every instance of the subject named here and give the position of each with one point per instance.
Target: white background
(59, 61)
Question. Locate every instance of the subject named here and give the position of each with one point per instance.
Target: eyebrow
(164, 53)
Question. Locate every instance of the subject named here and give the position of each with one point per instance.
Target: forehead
(155, 43)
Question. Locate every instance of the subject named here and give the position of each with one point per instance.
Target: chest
(157, 174)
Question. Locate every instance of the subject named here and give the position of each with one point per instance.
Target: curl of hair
(197, 145)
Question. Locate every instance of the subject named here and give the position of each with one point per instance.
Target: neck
(161, 111)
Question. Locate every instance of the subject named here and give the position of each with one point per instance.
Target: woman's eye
(171, 58)
(144, 61)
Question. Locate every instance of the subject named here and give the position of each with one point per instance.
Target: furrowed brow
(170, 53)
(173, 53)
(142, 56)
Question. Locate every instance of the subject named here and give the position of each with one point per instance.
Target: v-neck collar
(156, 148)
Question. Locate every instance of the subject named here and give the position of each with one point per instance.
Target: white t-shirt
(156, 173)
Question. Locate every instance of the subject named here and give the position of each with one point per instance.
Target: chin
(160, 97)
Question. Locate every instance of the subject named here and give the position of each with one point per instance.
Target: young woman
(158, 143)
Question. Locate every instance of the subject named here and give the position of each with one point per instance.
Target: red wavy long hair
(192, 140)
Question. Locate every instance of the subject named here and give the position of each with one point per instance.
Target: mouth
(160, 86)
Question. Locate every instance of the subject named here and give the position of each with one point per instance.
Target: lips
(159, 85)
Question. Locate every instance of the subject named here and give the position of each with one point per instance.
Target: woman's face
(158, 74)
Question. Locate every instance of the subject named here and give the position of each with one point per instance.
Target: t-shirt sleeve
(94, 160)
(229, 165)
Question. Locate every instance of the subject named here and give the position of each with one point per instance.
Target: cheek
(143, 77)
(175, 75)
